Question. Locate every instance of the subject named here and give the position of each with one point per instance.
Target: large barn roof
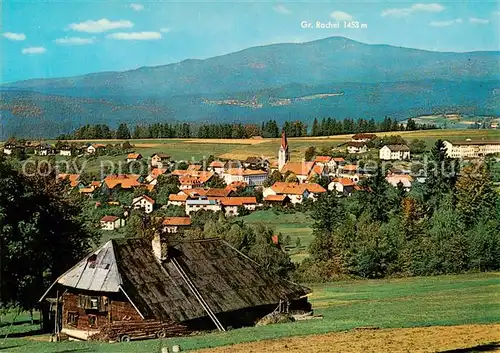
(226, 279)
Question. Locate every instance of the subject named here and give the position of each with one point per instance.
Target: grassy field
(297, 225)
(409, 302)
(239, 149)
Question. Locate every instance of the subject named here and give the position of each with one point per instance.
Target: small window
(94, 303)
(92, 321)
(72, 318)
(92, 260)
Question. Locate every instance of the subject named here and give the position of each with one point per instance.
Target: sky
(43, 39)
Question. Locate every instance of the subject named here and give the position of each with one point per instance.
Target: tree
(411, 125)
(441, 175)
(216, 182)
(374, 198)
(484, 245)
(474, 193)
(417, 146)
(272, 178)
(310, 153)
(290, 177)
(123, 133)
(327, 213)
(42, 235)
(447, 251)
(297, 243)
(316, 128)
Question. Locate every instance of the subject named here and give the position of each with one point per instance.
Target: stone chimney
(160, 246)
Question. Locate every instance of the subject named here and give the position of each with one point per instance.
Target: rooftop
(177, 221)
(475, 142)
(396, 148)
(225, 278)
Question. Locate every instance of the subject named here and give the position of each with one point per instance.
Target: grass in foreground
(409, 302)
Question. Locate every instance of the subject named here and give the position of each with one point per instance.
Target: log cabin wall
(77, 313)
(123, 311)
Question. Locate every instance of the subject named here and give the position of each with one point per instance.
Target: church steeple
(283, 154)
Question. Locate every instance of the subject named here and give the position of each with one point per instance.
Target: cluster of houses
(47, 149)
(360, 144)
(196, 195)
(194, 181)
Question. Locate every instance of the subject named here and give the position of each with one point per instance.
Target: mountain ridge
(271, 65)
(259, 83)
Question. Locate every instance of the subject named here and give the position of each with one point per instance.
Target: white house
(91, 149)
(65, 151)
(160, 160)
(249, 176)
(357, 147)
(344, 186)
(216, 167)
(177, 199)
(111, 223)
(202, 204)
(394, 152)
(395, 179)
(297, 193)
(43, 150)
(143, 202)
(231, 204)
(8, 149)
(326, 161)
(175, 224)
(471, 149)
(132, 157)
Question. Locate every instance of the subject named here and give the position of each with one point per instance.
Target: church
(283, 154)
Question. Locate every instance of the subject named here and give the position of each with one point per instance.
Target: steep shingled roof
(225, 278)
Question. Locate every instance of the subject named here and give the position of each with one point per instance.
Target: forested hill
(334, 77)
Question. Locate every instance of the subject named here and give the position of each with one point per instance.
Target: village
(236, 187)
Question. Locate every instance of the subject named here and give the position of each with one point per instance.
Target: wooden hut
(133, 287)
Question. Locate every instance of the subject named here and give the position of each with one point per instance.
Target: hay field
(402, 340)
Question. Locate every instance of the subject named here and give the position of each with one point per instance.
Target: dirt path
(415, 340)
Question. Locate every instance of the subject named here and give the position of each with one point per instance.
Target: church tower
(283, 154)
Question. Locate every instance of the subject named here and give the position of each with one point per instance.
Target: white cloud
(135, 35)
(165, 30)
(480, 21)
(402, 12)
(445, 23)
(341, 16)
(428, 7)
(74, 41)
(282, 9)
(14, 36)
(99, 26)
(136, 7)
(34, 50)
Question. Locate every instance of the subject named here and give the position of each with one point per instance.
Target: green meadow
(388, 303)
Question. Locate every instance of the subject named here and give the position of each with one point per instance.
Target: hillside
(334, 59)
(330, 77)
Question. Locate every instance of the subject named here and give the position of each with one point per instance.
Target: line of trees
(331, 126)
(268, 129)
